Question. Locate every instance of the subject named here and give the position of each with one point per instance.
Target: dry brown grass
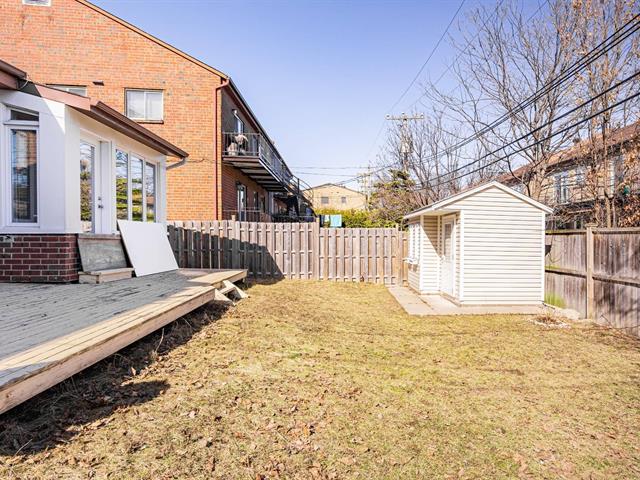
(320, 380)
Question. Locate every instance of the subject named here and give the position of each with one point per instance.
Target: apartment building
(330, 196)
(580, 177)
(234, 169)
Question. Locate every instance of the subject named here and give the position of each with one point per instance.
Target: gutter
(177, 164)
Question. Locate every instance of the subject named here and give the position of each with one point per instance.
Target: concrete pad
(434, 305)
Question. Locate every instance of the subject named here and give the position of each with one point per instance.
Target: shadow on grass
(86, 400)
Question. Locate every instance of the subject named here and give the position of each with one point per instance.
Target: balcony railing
(249, 215)
(257, 146)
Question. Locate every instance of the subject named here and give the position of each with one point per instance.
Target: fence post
(589, 250)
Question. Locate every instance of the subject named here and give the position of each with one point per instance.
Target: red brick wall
(230, 176)
(71, 43)
(39, 258)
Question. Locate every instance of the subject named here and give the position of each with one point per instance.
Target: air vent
(41, 3)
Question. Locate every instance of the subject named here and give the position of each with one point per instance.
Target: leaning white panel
(147, 246)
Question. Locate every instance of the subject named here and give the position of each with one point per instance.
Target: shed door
(447, 270)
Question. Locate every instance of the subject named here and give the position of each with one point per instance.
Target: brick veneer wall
(71, 43)
(39, 258)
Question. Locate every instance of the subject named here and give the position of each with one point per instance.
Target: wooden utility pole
(405, 138)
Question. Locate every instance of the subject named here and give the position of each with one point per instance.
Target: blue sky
(320, 75)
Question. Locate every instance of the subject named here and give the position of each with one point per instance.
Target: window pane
(135, 104)
(154, 105)
(24, 116)
(24, 176)
(87, 157)
(150, 191)
(136, 189)
(122, 187)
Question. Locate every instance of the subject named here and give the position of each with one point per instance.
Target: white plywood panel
(147, 246)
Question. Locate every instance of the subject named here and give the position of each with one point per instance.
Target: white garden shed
(483, 246)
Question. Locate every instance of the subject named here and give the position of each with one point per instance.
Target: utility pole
(405, 139)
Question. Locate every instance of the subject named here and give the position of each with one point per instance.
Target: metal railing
(256, 145)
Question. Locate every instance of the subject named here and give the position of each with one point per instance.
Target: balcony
(254, 155)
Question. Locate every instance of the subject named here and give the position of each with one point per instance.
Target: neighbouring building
(234, 169)
(330, 196)
(483, 246)
(69, 165)
(576, 180)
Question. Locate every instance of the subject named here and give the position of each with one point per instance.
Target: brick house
(336, 197)
(69, 166)
(234, 169)
(576, 179)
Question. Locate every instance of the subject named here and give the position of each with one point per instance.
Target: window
(239, 123)
(414, 241)
(122, 185)
(150, 191)
(580, 177)
(562, 188)
(22, 136)
(136, 188)
(87, 161)
(324, 200)
(77, 89)
(41, 3)
(145, 105)
(617, 172)
(343, 200)
(24, 174)
(256, 200)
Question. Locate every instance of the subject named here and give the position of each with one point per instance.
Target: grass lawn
(321, 380)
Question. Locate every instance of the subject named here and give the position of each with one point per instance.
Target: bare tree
(512, 58)
(603, 157)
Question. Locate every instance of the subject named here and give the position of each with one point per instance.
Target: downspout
(218, 172)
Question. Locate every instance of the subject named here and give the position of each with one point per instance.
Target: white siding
(413, 270)
(429, 261)
(503, 238)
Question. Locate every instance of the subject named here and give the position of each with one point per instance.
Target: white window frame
(156, 184)
(145, 91)
(239, 127)
(5, 167)
(68, 88)
(37, 3)
(562, 188)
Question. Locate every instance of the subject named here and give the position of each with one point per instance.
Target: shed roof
(449, 201)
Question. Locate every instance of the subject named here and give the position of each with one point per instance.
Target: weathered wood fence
(291, 250)
(596, 272)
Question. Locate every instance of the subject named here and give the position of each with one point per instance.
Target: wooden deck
(50, 332)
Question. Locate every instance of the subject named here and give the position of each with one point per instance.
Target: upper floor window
(77, 89)
(580, 177)
(343, 200)
(324, 200)
(562, 187)
(617, 171)
(239, 123)
(145, 105)
(42, 3)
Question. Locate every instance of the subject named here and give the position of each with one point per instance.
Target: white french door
(95, 212)
(448, 257)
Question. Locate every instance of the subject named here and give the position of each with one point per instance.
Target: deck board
(54, 331)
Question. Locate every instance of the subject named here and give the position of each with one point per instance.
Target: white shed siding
(413, 271)
(502, 248)
(429, 262)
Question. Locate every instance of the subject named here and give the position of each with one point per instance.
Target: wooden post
(589, 251)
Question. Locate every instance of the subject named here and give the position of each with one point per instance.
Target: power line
(493, 162)
(574, 69)
(433, 50)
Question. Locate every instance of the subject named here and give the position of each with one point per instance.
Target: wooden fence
(291, 250)
(596, 272)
